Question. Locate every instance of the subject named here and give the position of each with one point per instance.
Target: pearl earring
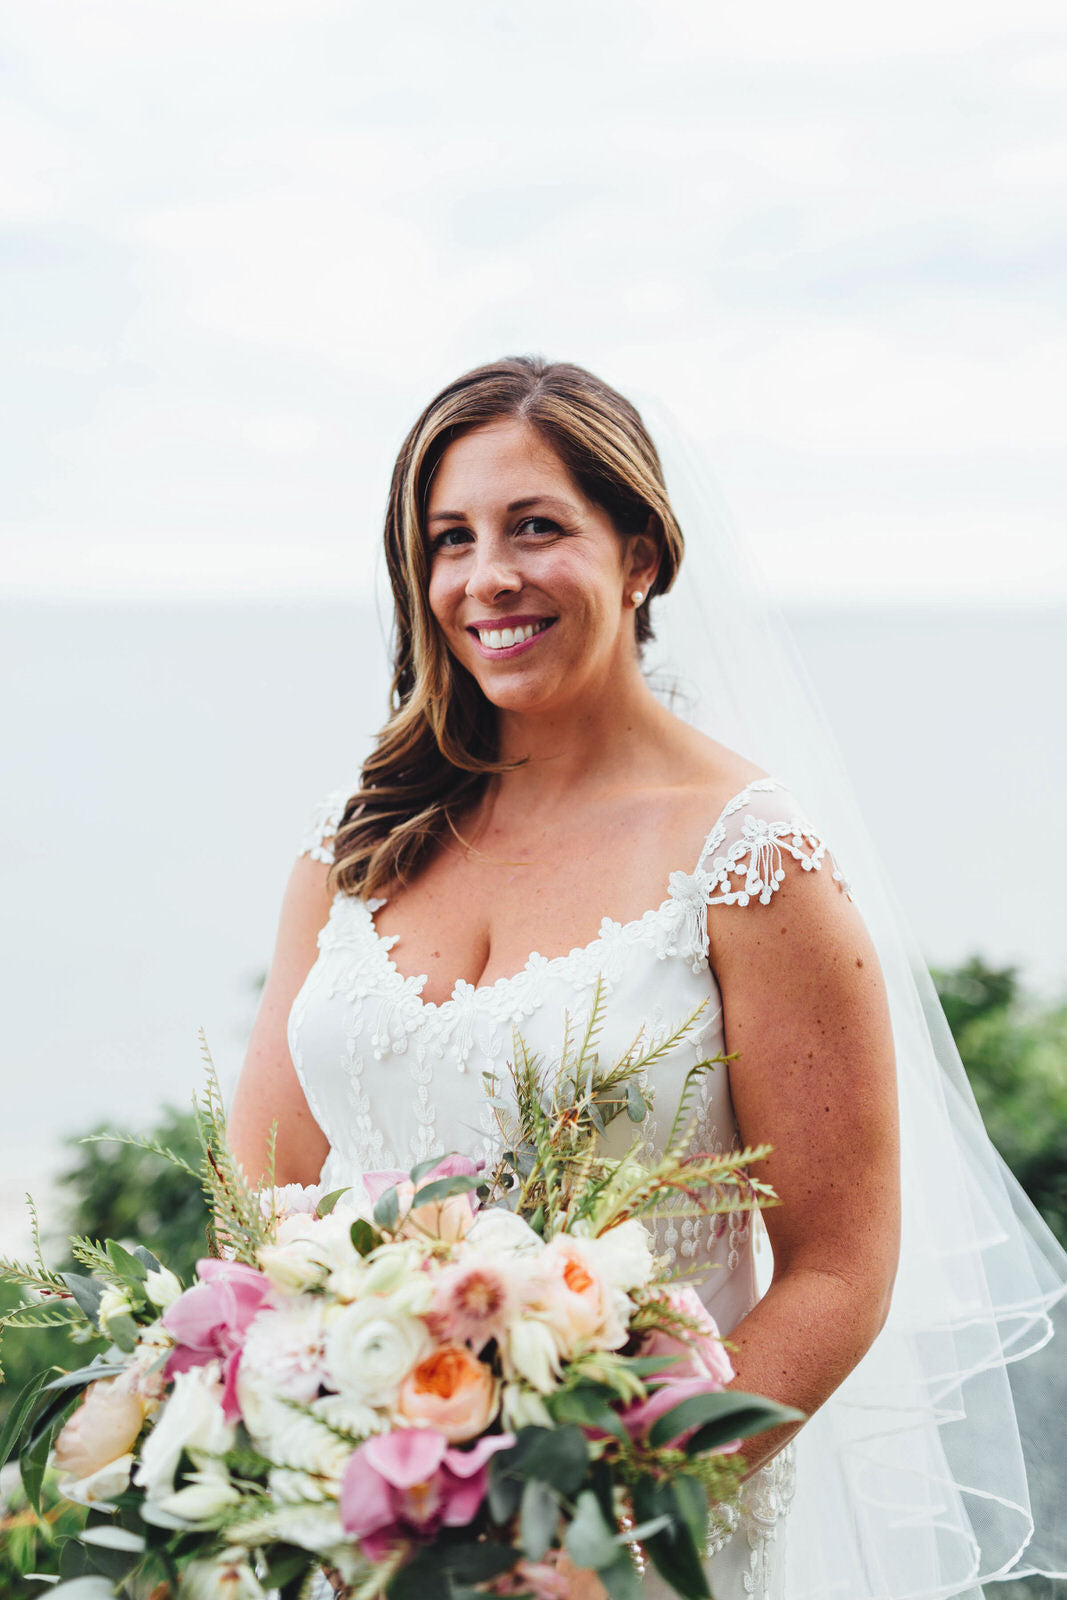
(637, 597)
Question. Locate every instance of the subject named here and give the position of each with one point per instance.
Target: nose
(494, 571)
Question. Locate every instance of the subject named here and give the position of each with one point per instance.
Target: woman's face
(529, 580)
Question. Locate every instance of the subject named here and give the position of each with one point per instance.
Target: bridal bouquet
(456, 1382)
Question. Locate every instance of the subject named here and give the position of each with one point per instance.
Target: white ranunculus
(623, 1255)
(529, 1351)
(203, 1496)
(498, 1230)
(162, 1287)
(371, 1347)
(192, 1420)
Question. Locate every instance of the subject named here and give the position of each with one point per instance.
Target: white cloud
(253, 238)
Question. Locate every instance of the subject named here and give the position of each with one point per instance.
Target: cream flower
(191, 1419)
(162, 1287)
(371, 1347)
(226, 1577)
(203, 1496)
(102, 1429)
(528, 1350)
(500, 1230)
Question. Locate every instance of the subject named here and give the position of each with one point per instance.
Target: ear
(643, 556)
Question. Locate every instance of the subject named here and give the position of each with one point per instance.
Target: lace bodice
(392, 1078)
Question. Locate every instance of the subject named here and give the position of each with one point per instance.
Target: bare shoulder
(704, 777)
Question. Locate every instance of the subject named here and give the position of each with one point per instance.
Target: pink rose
(411, 1480)
(702, 1367)
(447, 1219)
(700, 1353)
(210, 1320)
(451, 1391)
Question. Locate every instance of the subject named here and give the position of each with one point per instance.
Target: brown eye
(449, 538)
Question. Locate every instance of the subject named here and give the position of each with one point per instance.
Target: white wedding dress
(392, 1079)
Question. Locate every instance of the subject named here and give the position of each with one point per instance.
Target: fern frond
(48, 1314)
(23, 1276)
(236, 1204)
(91, 1254)
(153, 1147)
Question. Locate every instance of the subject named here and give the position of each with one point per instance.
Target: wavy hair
(439, 746)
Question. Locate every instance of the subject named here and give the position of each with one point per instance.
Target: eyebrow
(516, 505)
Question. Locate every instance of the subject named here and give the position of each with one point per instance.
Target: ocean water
(161, 761)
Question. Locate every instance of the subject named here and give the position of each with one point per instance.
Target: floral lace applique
(322, 826)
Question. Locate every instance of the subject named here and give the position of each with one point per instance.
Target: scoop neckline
(464, 991)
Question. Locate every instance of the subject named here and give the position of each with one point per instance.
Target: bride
(535, 819)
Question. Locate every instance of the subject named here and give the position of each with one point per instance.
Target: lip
(520, 620)
(488, 654)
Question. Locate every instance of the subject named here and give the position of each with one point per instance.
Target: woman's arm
(804, 1003)
(268, 1088)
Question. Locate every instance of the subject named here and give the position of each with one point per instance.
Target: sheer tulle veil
(940, 1464)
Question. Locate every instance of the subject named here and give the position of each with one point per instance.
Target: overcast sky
(245, 241)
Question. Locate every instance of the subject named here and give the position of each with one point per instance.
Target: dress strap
(322, 826)
(744, 855)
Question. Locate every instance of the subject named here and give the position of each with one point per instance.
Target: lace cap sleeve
(322, 826)
(760, 830)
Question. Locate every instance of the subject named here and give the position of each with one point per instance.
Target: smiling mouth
(498, 640)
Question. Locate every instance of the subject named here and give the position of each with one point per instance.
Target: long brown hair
(439, 747)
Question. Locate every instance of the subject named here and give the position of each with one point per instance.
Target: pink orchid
(412, 1480)
(210, 1321)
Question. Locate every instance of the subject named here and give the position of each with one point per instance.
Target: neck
(579, 749)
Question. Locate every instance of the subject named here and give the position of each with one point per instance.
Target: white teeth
(504, 638)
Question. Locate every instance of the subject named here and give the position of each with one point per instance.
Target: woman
(534, 818)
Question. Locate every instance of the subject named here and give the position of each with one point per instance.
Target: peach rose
(102, 1429)
(452, 1391)
(570, 1296)
(447, 1219)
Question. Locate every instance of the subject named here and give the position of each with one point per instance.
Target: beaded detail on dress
(392, 1078)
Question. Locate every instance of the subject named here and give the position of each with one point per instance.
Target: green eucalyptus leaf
(387, 1211)
(740, 1415)
(87, 1293)
(477, 1563)
(636, 1109)
(328, 1201)
(364, 1237)
(445, 1188)
(559, 1457)
(123, 1330)
(588, 1540)
(620, 1578)
(538, 1518)
(126, 1264)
